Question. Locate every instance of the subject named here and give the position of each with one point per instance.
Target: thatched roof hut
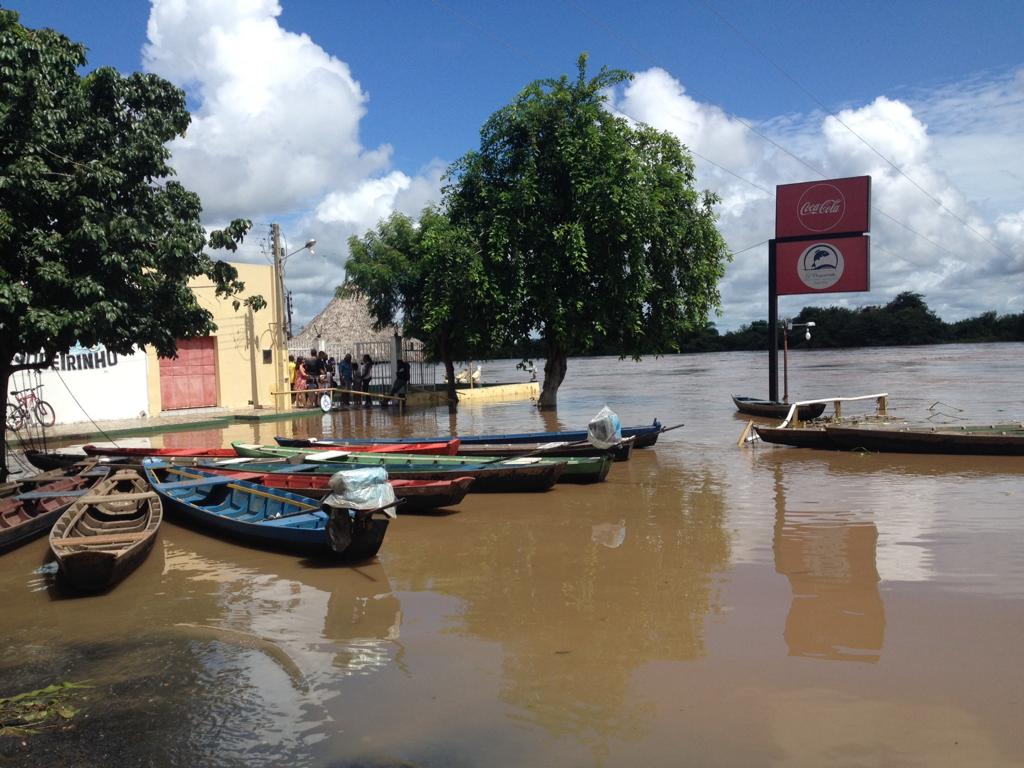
(345, 326)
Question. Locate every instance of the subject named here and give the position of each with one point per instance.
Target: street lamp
(786, 326)
(307, 247)
(285, 294)
(288, 294)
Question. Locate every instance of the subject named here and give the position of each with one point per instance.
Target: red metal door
(190, 379)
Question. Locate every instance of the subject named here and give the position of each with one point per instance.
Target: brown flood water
(706, 605)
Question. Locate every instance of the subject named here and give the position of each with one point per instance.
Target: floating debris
(32, 712)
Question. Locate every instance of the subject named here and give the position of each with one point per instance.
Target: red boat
(446, 448)
(418, 495)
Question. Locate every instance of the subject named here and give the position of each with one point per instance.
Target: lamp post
(786, 325)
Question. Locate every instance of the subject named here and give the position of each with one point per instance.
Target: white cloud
(959, 273)
(275, 133)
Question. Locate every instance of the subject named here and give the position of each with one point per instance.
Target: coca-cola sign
(836, 206)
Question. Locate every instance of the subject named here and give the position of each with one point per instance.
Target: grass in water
(35, 711)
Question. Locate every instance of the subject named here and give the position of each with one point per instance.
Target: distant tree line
(906, 320)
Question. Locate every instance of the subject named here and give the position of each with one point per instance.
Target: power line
(649, 55)
(836, 117)
(737, 118)
(749, 248)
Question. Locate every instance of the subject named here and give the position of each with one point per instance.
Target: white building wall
(106, 385)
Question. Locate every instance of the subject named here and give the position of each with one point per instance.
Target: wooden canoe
(556, 450)
(529, 475)
(32, 513)
(49, 460)
(645, 437)
(775, 409)
(578, 469)
(447, 447)
(102, 536)
(269, 517)
(797, 437)
(416, 495)
(993, 440)
(439, 447)
(141, 453)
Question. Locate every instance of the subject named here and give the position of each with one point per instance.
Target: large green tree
(97, 242)
(592, 226)
(429, 277)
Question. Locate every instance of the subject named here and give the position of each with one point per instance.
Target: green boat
(577, 469)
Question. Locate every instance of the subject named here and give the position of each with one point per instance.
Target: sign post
(820, 246)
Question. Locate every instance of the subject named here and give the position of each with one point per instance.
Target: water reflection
(581, 592)
(828, 557)
(221, 655)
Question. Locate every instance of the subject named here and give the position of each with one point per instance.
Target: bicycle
(28, 404)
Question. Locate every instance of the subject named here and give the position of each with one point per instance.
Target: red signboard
(831, 207)
(825, 265)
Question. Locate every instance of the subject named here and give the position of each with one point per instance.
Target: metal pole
(785, 361)
(282, 350)
(773, 324)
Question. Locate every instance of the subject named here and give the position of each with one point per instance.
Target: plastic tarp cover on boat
(361, 489)
(604, 430)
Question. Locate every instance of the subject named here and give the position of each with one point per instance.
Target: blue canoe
(645, 437)
(269, 517)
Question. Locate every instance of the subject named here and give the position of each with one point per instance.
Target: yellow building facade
(239, 366)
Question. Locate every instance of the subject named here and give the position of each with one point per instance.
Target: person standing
(365, 376)
(345, 375)
(300, 382)
(293, 370)
(324, 379)
(402, 376)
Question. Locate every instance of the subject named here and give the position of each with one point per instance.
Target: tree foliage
(430, 278)
(590, 226)
(97, 242)
(906, 320)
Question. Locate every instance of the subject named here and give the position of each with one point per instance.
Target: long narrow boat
(776, 409)
(447, 447)
(992, 440)
(645, 437)
(104, 535)
(797, 437)
(416, 495)
(32, 513)
(45, 461)
(270, 517)
(521, 475)
(579, 469)
(555, 450)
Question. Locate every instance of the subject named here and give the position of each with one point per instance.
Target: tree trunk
(453, 399)
(555, 366)
(449, 371)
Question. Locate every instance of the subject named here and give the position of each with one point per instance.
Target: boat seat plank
(117, 497)
(111, 538)
(52, 494)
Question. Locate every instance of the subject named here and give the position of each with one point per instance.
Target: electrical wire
(739, 33)
(649, 55)
(98, 427)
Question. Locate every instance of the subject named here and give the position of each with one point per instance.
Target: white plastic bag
(361, 489)
(604, 430)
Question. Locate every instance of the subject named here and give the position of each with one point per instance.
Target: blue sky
(337, 113)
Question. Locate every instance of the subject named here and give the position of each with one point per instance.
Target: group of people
(320, 372)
